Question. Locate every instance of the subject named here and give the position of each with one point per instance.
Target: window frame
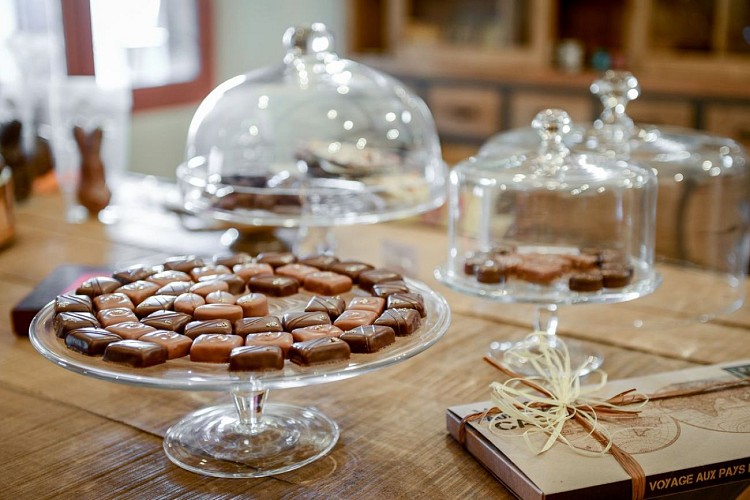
(79, 52)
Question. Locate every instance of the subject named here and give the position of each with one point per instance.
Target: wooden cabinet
(489, 65)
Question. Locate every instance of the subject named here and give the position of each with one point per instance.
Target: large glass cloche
(317, 140)
(703, 208)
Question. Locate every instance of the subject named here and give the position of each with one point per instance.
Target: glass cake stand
(248, 438)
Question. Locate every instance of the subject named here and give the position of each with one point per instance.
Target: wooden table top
(67, 435)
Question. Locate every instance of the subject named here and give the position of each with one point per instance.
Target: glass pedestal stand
(250, 438)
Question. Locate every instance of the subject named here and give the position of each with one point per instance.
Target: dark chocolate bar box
(695, 446)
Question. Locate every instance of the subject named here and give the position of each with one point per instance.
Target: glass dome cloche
(551, 227)
(703, 207)
(315, 141)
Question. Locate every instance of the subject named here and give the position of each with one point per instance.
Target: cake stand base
(214, 442)
(583, 359)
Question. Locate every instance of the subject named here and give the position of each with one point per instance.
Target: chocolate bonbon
(135, 353)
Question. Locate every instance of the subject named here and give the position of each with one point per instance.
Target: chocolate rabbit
(93, 192)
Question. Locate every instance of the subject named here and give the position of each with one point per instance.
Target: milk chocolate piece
(177, 345)
(235, 284)
(187, 302)
(135, 353)
(374, 304)
(276, 286)
(296, 271)
(155, 303)
(97, 286)
(616, 276)
(184, 263)
(137, 291)
(253, 304)
(332, 306)
(352, 318)
(351, 268)
(135, 273)
(209, 270)
(369, 338)
(276, 259)
(113, 300)
(90, 341)
(167, 320)
(367, 279)
(166, 277)
(70, 302)
(256, 358)
(389, 288)
(317, 351)
(219, 297)
(214, 348)
(315, 331)
(247, 271)
(232, 312)
(175, 288)
(491, 273)
(195, 328)
(590, 281)
(257, 325)
(327, 283)
(403, 321)
(282, 340)
(322, 262)
(131, 330)
(232, 259)
(407, 301)
(203, 288)
(109, 317)
(294, 320)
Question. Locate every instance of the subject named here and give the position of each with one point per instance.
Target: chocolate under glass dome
(313, 141)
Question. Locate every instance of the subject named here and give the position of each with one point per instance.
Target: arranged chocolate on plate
(352, 318)
(318, 351)
(276, 286)
(131, 330)
(67, 321)
(402, 321)
(369, 338)
(195, 328)
(327, 283)
(256, 358)
(177, 345)
(332, 306)
(109, 317)
(187, 302)
(389, 288)
(283, 340)
(90, 341)
(407, 301)
(168, 320)
(155, 303)
(259, 324)
(253, 304)
(97, 286)
(293, 320)
(232, 312)
(315, 331)
(214, 348)
(135, 353)
(112, 301)
(71, 302)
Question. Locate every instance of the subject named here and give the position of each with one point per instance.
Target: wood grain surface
(68, 436)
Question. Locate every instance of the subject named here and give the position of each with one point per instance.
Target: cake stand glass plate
(248, 438)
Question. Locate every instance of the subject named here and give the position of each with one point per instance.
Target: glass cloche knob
(305, 40)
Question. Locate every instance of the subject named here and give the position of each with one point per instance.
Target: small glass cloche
(550, 226)
(317, 140)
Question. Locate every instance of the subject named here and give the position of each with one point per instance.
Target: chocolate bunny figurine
(93, 192)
